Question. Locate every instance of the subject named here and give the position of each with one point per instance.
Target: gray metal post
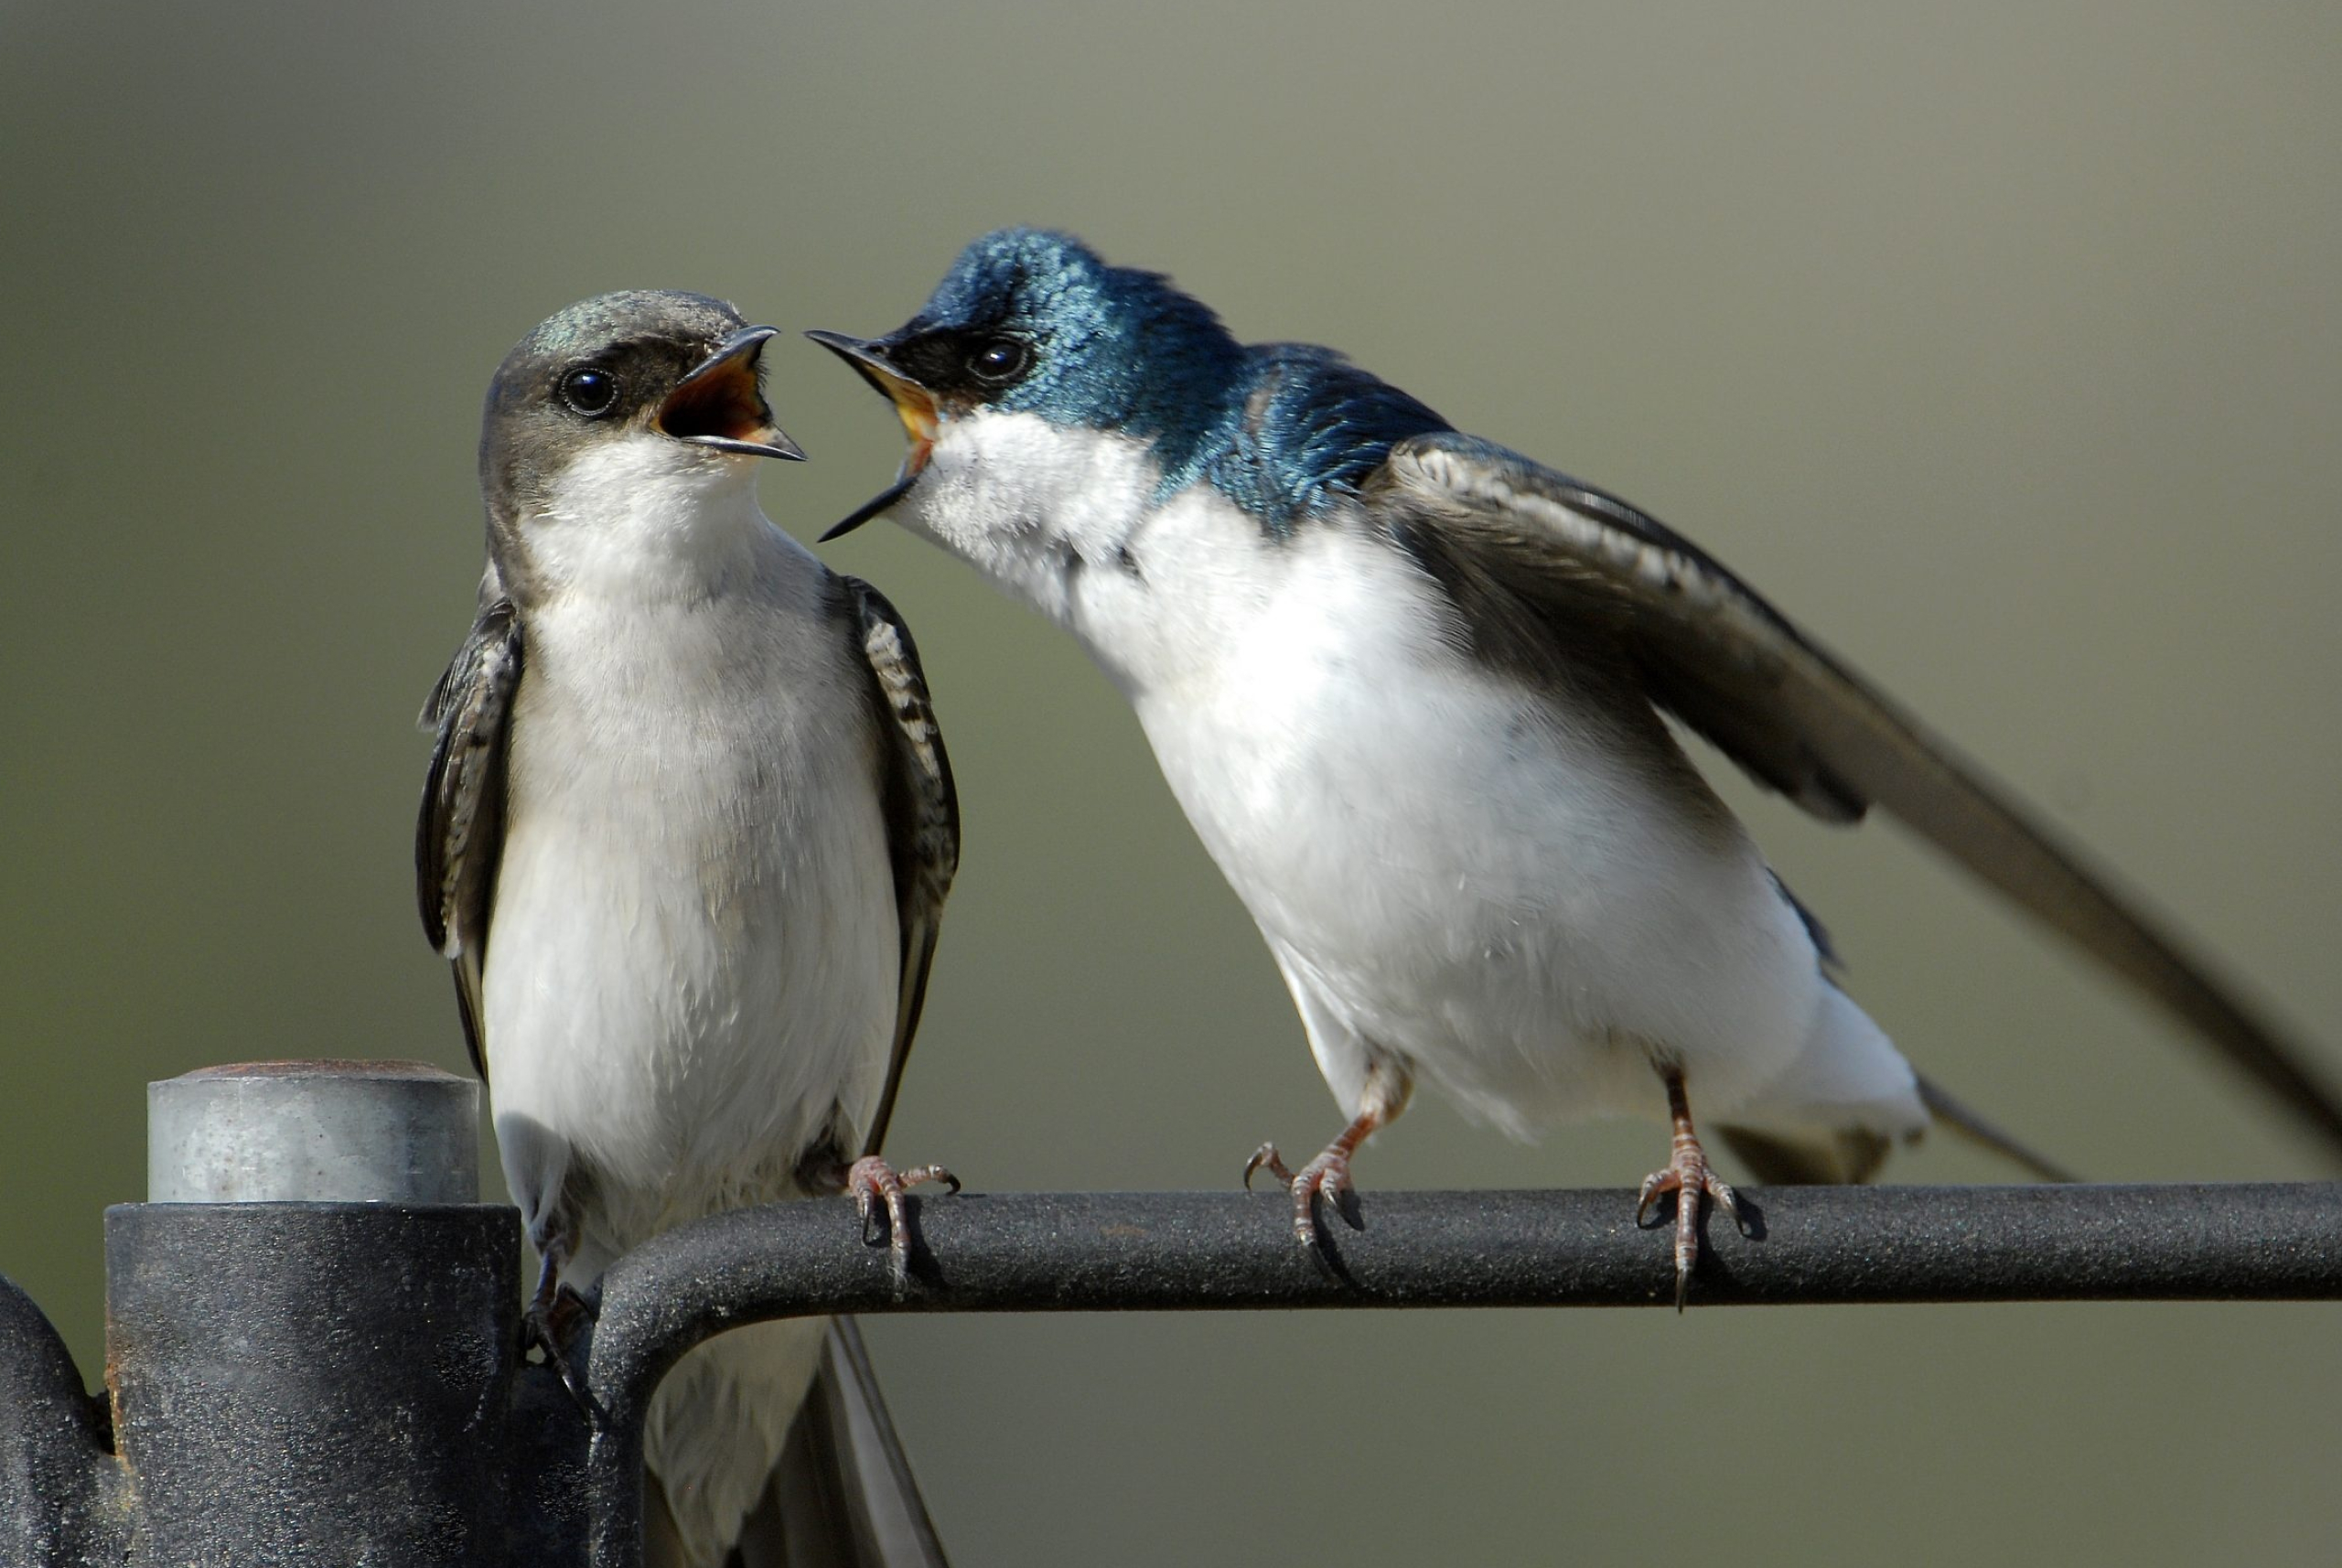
(312, 1329)
(312, 1345)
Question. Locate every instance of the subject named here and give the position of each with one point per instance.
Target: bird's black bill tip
(774, 444)
(838, 343)
(875, 506)
(868, 359)
(913, 404)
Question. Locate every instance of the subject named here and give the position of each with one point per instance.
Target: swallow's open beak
(722, 403)
(914, 405)
(913, 402)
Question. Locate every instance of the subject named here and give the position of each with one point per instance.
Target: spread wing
(1536, 546)
(921, 807)
(460, 834)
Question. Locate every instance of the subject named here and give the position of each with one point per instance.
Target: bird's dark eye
(998, 359)
(590, 393)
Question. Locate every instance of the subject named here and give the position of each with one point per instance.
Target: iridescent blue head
(1028, 321)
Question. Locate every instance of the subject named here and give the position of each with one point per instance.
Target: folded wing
(1717, 656)
(460, 834)
(922, 813)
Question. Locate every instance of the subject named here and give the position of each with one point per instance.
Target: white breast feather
(693, 953)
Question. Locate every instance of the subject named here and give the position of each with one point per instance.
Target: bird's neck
(1034, 506)
(1298, 431)
(646, 521)
(1163, 590)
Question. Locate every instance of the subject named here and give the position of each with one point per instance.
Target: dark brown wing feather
(1713, 653)
(459, 834)
(922, 813)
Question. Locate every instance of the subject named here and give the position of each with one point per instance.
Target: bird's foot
(550, 1322)
(1328, 1176)
(1384, 1095)
(1687, 1175)
(877, 1187)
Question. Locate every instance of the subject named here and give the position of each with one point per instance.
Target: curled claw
(878, 1187)
(550, 1318)
(545, 1329)
(1266, 1158)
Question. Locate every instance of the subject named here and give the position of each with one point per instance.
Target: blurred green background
(2000, 345)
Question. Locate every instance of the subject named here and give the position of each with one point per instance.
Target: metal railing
(286, 1373)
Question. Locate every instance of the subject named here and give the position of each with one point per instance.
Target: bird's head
(624, 407)
(1033, 324)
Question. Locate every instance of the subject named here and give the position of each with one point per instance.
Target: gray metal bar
(1170, 1251)
(57, 1483)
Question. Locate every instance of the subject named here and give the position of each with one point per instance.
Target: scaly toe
(1689, 1178)
(1325, 1178)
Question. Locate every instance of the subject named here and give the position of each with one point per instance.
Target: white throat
(1164, 592)
(648, 519)
(1032, 506)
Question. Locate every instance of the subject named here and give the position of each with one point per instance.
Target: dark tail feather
(843, 1495)
(1819, 1159)
(1835, 1159)
(1978, 1130)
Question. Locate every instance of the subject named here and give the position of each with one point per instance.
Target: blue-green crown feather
(1280, 428)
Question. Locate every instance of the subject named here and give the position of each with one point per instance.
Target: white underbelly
(1454, 871)
(693, 961)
